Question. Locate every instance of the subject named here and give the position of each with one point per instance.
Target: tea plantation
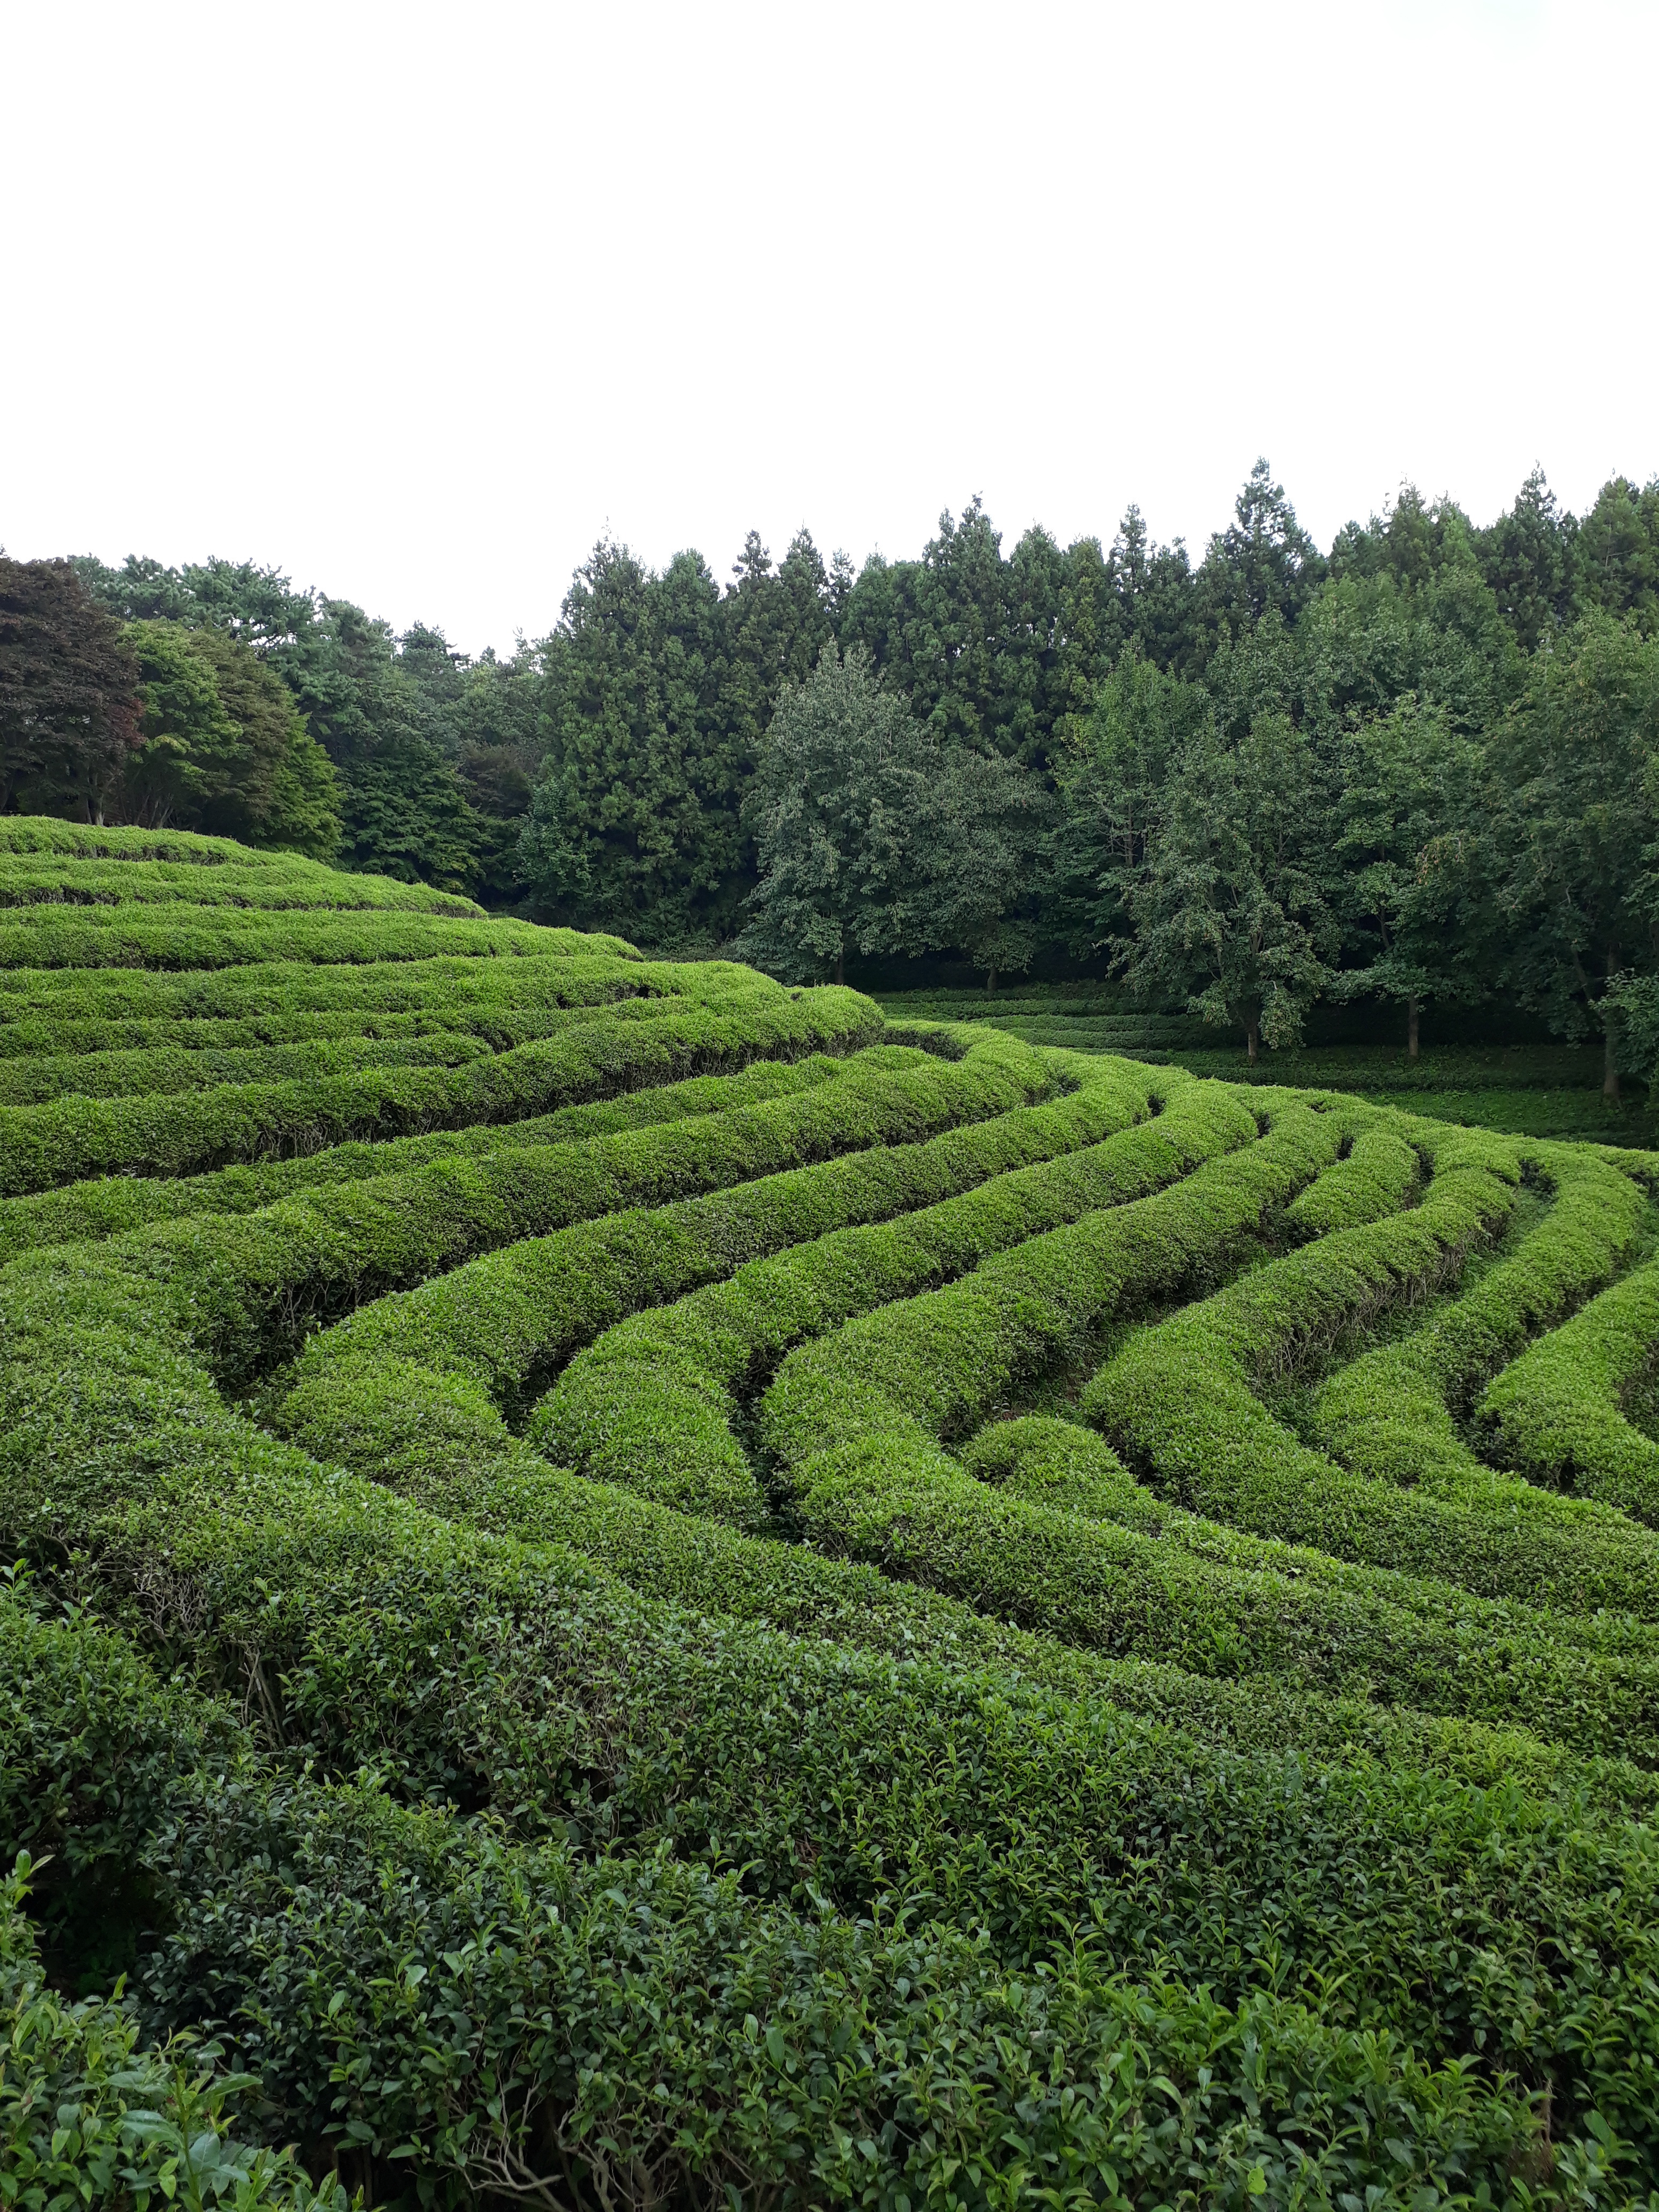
(635, 1588)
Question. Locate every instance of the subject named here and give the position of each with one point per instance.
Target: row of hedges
(511, 1320)
(187, 1063)
(522, 1682)
(440, 1438)
(86, 841)
(1390, 1415)
(1181, 1402)
(72, 1009)
(164, 1072)
(245, 1289)
(652, 1402)
(83, 1213)
(1198, 1594)
(1556, 1412)
(442, 2012)
(41, 1146)
(1373, 1181)
(195, 937)
(496, 1019)
(37, 880)
(1045, 1460)
(86, 2115)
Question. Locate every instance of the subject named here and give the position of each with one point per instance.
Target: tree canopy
(1415, 766)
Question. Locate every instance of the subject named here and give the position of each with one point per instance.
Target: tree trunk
(1411, 1012)
(840, 963)
(1251, 1040)
(1609, 1062)
(990, 979)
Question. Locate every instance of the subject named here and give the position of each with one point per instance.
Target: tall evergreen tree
(1527, 557)
(68, 683)
(1617, 569)
(1264, 562)
(1157, 593)
(636, 822)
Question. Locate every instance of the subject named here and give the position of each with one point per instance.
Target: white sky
(415, 301)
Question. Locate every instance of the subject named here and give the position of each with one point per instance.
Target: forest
(1413, 771)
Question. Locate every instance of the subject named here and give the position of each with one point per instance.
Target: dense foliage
(1414, 769)
(635, 1587)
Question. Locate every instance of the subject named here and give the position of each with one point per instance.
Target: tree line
(1416, 767)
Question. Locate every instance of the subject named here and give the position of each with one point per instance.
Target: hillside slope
(639, 1587)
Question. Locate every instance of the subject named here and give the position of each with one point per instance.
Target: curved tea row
(636, 1586)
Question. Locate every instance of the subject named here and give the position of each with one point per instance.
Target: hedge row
(440, 1439)
(174, 937)
(1046, 1461)
(445, 2012)
(247, 1289)
(167, 1071)
(44, 833)
(67, 1009)
(499, 1024)
(1198, 1594)
(513, 1319)
(1389, 1415)
(1181, 1402)
(945, 1358)
(41, 1146)
(181, 1063)
(370, 1634)
(35, 880)
(652, 1402)
(1371, 1182)
(89, 1211)
(1556, 1412)
(88, 2117)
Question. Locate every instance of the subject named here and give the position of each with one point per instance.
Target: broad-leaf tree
(1415, 861)
(845, 812)
(993, 817)
(224, 749)
(1572, 806)
(1234, 912)
(1113, 777)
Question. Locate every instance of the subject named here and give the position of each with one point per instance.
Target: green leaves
(784, 1806)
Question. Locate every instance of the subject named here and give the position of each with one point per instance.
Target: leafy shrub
(849, 1780)
(1556, 1411)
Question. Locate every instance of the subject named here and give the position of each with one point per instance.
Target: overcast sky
(416, 300)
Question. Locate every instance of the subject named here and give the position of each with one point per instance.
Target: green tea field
(630, 1587)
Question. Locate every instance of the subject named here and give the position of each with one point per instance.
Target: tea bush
(635, 1588)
